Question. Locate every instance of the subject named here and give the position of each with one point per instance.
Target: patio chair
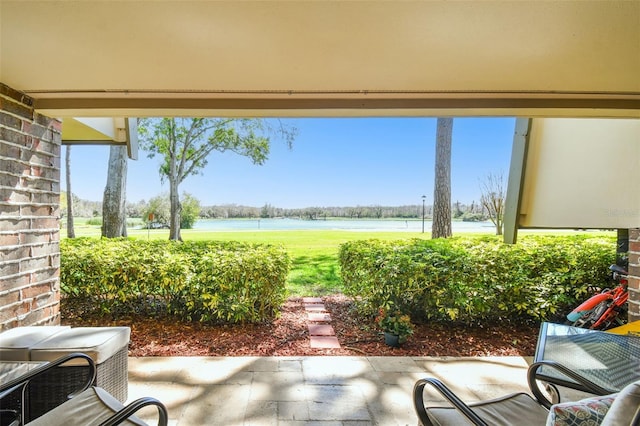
(523, 409)
(76, 402)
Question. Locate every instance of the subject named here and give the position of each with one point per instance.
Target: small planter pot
(392, 340)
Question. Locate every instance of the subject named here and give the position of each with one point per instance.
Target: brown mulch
(288, 336)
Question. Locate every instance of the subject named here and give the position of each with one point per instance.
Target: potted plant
(395, 325)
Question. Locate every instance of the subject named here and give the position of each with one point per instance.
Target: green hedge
(475, 279)
(207, 281)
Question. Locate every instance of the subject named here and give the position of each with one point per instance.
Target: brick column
(29, 213)
(634, 274)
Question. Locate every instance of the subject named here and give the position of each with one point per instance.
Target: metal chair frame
(21, 384)
(467, 411)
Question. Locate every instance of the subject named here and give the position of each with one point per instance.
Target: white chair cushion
(16, 342)
(100, 343)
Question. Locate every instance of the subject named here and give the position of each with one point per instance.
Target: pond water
(388, 225)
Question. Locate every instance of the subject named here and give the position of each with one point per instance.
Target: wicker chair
(79, 402)
(522, 409)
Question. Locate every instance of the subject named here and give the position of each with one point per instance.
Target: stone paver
(314, 308)
(332, 402)
(321, 336)
(293, 410)
(313, 390)
(321, 330)
(318, 317)
(326, 342)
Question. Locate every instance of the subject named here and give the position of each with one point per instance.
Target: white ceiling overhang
(101, 130)
(78, 130)
(317, 58)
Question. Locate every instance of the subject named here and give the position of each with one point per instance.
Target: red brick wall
(634, 275)
(29, 213)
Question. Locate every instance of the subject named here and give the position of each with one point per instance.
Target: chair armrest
(19, 385)
(133, 407)
(535, 389)
(43, 369)
(418, 401)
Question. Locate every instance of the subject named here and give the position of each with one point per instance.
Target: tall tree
(441, 225)
(71, 232)
(114, 220)
(185, 144)
(492, 198)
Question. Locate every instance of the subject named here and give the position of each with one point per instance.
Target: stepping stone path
(321, 333)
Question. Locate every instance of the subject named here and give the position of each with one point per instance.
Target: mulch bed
(288, 336)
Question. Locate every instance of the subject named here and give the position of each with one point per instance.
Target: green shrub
(473, 217)
(94, 221)
(207, 281)
(475, 279)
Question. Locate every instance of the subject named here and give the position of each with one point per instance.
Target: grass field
(314, 253)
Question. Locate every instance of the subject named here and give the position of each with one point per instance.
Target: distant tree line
(141, 209)
(236, 211)
(414, 211)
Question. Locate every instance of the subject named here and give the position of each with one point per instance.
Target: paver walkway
(321, 333)
(317, 390)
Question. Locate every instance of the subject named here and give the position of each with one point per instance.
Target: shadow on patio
(311, 390)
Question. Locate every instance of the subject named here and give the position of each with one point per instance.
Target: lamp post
(424, 197)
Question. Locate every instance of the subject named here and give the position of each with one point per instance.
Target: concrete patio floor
(311, 390)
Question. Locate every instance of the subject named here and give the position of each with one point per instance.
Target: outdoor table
(609, 360)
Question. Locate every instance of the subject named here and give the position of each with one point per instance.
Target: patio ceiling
(323, 58)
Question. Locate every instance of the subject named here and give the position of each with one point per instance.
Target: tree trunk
(71, 232)
(176, 209)
(114, 221)
(441, 225)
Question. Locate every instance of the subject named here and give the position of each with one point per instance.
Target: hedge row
(475, 279)
(207, 281)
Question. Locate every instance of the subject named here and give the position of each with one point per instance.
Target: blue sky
(333, 162)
